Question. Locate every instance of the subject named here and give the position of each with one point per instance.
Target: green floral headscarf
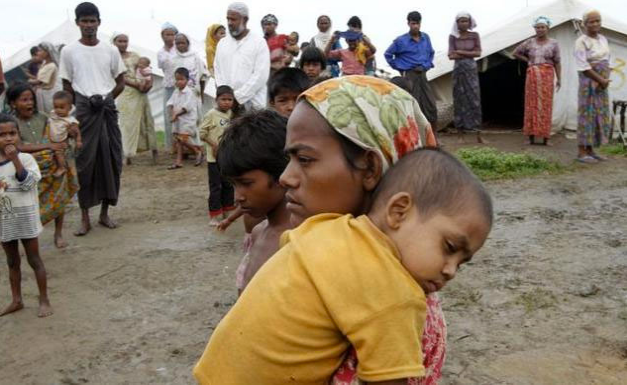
(374, 114)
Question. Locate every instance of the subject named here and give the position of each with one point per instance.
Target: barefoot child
(19, 215)
(211, 130)
(183, 110)
(340, 280)
(63, 126)
(284, 87)
(251, 156)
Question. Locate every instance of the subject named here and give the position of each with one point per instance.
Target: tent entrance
(502, 82)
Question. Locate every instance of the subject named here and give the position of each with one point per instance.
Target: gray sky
(382, 21)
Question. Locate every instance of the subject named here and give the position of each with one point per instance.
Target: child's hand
(222, 226)
(3, 184)
(10, 151)
(214, 149)
(79, 144)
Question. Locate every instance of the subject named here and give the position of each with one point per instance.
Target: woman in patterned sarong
(463, 47)
(542, 55)
(592, 59)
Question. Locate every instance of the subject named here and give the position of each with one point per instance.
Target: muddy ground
(545, 301)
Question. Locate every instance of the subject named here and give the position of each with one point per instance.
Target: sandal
(199, 159)
(174, 167)
(587, 159)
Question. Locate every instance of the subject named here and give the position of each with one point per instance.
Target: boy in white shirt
(183, 111)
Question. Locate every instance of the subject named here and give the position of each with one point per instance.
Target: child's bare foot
(45, 309)
(83, 230)
(107, 222)
(59, 242)
(59, 173)
(13, 307)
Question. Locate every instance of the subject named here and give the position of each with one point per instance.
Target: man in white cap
(243, 60)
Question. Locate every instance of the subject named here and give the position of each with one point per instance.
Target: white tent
(148, 35)
(502, 79)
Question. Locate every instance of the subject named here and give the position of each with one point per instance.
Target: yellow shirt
(337, 281)
(212, 128)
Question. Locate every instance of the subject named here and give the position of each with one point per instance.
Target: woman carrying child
(135, 116)
(358, 152)
(47, 81)
(54, 192)
(324, 148)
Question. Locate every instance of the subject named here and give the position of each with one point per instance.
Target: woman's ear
(373, 170)
(398, 209)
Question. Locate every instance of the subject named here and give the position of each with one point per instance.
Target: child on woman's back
(212, 128)
(19, 215)
(62, 126)
(339, 281)
(183, 110)
(251, 156)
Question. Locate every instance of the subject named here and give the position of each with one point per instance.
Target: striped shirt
(19, 203)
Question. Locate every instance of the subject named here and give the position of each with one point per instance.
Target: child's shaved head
(438, 183)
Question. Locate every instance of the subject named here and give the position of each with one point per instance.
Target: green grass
(614, 149)
(536, 299)
(160, 139)
(490, 164)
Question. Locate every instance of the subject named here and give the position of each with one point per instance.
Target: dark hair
(86, 9)
(62, 95)
(182, 71)
(414, 16)
(292, 79)
(34, 50)
(321, 16)
(7, 118)
(17, 89)
(354, 22)
(312, 55)
(254, 141)
(401, 82)
(443, 184)
(224, 90)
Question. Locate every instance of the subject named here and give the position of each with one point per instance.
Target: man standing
(93, 71)
(164, 62)
(412, 55)
(243, 60)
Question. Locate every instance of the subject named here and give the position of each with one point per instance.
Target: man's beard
(238, 31)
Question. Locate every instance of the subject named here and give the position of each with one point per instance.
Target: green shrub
(489, 163)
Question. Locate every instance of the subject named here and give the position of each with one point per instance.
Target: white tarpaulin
(502, 40)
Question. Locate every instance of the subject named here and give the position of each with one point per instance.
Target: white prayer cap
(239, 7)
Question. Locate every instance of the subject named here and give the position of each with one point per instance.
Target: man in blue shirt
(412, 55)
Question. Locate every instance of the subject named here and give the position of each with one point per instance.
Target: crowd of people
(339, 281)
